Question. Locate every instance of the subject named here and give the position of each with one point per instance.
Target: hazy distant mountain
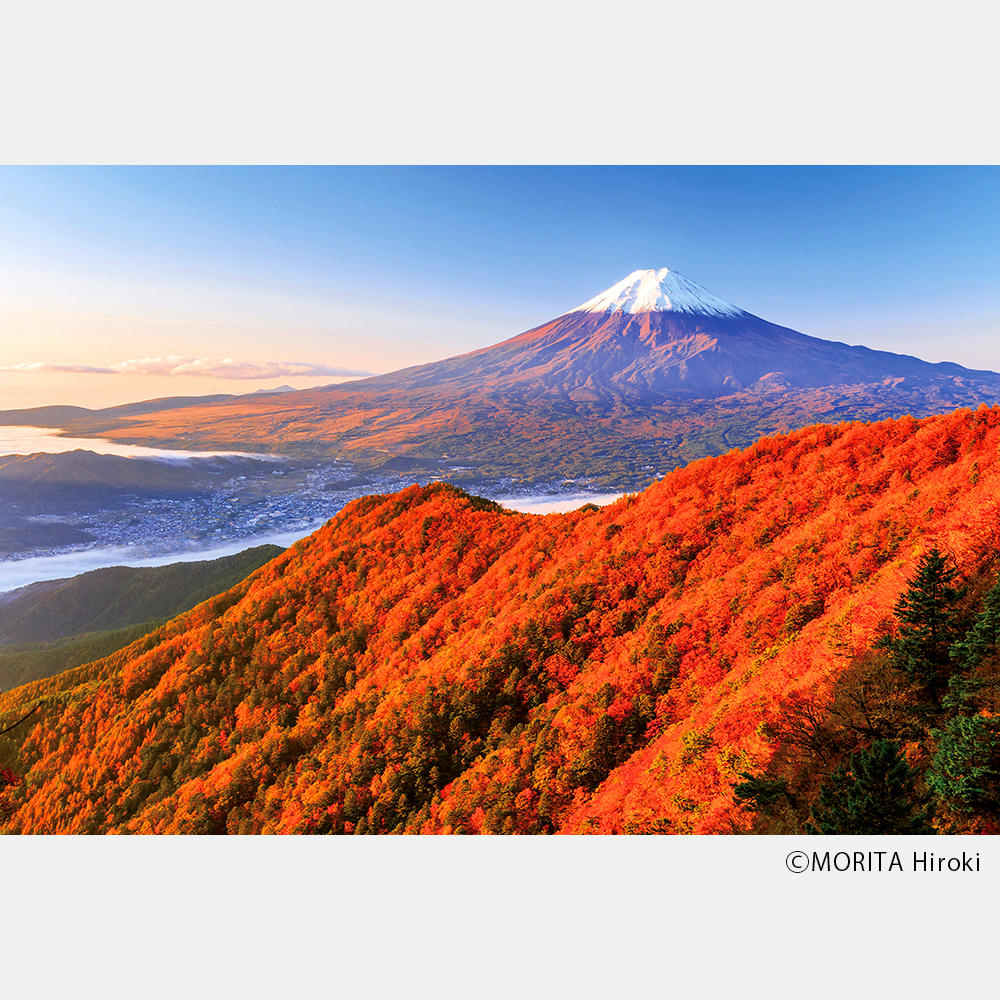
(82, 475)
(35, 488)
(86, 471)
(66, 416)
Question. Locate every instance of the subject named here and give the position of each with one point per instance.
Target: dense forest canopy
(430, 662)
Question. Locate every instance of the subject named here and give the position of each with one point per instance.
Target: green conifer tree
(873, 793)
(969, 684)
(965, 771)
(928, 624)
(983, 638)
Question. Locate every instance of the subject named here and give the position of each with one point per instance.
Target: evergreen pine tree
(874, 792)
(965, 771)
(982, 642)
(983, 638)
(762, 794)
(928, 624)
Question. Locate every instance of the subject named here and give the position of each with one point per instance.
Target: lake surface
(16, 573)
(18, 440)
(548, 504)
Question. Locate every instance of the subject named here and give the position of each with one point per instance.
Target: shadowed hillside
(50, 626)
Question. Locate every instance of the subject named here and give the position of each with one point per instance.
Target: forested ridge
(53, 625)
(429, 662)
(118, 596)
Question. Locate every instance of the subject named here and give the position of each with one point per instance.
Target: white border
(526, 81)
(488, 917)
(519, 82)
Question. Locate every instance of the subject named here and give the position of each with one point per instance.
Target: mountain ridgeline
(688, 659)
(644, 377)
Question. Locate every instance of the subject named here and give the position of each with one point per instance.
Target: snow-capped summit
(662, 290)
(656, 336)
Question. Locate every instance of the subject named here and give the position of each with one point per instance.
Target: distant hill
(32, 661)
(53, 626)
(63, 416)
(120, 596)
(20, 534)
(84, 474)
(429, 662)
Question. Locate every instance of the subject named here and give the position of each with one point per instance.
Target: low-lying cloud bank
(178, 365)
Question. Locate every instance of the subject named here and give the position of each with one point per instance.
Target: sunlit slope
(428, 662)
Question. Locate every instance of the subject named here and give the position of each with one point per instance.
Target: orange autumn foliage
(428, 662)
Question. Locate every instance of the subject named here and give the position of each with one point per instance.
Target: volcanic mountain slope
(657, 335)
(645, 376)
(429, 662)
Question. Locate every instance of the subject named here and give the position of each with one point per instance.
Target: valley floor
(57, 529)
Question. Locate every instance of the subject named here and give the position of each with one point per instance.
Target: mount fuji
(657, 335)
(650, 373)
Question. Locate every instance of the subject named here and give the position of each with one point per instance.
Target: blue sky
(376, 268)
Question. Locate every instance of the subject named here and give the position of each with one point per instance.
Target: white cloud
(43, 366)
(178, 365)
